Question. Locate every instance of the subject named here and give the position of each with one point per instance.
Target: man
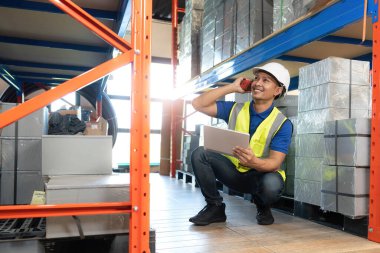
(254, 169)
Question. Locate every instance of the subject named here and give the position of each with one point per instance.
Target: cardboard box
(97, 128)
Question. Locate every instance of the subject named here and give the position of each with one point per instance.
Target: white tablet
(224, 140)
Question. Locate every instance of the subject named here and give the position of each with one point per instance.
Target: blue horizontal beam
(43, 65)
(293, 83)
(297, 59)
(312, 28)
(124, 17)
(47, 7)
(345, 40)
(44, 81)
(9, 78)
(51, 44)
(46, 75)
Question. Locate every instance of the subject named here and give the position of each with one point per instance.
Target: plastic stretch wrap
(310, 145)
(307, 168)
(334, 70)
(346, 147)
(334, 95)
(294, 120)
(219, 31)
(328, 202)
(289, 185)
(288, 165)
(208, 35)
(286, 11)
(231, 26)
(189, 57)
(307, 191)
(242, 25)
(229, 29)
(283, 13)
(195, 4)
(329, 178)
(313, 121)
(292, 147)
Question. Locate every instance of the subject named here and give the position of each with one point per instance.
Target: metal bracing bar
(374, 192)
(93, 24)
(67, 87)
(54, 76)
(35, 211)
(140, 127)
(9, 78)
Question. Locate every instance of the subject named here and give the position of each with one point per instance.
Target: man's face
(265, 87)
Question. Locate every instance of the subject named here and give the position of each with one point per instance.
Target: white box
(87, 189)
(76, 155)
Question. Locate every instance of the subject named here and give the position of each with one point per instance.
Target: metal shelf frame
(314, 27)
(139, 54)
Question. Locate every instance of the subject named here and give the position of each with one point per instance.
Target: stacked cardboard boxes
(345, 175)
(331, 89)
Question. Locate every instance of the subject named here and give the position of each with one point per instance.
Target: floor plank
(173, 202)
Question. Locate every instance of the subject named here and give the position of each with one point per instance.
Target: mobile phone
(245, 84)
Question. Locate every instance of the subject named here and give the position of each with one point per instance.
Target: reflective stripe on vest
(239, 120)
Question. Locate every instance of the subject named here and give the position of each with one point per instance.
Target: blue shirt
(282, 138)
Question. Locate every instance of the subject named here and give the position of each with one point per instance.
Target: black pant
(266, 188)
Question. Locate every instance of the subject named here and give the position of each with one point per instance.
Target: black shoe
(264, 215)
(210, 214)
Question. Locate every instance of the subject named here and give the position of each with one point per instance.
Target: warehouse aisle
(173, 202)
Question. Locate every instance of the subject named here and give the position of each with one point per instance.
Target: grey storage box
(87, 189)
(33, 125)
(29, 153)
(27, 183)
(353, 140)
(353, 207)
(76, 155)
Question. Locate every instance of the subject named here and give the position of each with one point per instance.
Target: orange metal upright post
(177, 105)
(173, 154)
(374, 203)
(140, 127)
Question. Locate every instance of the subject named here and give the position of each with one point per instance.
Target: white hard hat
(276, 70)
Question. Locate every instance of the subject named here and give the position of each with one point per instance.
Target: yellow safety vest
(239, 120)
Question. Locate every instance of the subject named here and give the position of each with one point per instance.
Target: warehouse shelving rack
(310, 33)
(139, 54)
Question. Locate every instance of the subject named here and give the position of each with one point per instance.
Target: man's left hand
(245, 156)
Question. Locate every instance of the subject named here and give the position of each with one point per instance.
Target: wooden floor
(173, 202)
